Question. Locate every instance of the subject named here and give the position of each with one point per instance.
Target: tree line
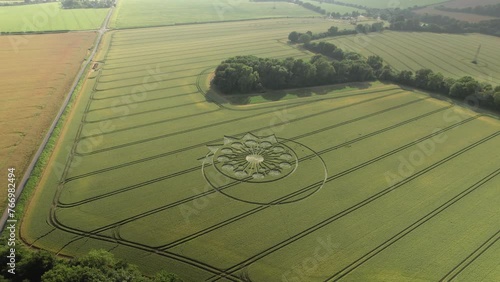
(358, 6)
(406, 20)
(331, 65)
(298, 37)
(247, 74)
(97, 265)
(317, 9)
(486, 10)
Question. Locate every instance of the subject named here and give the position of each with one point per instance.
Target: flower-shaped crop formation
(254, 159)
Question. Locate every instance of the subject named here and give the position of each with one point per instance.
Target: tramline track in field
(351, 267)
(466, 262)
(243, 118)
(214, 141)
(331, 178)
(324, 223)
(227, 274)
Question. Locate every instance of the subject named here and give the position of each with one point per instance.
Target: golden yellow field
(37, 71)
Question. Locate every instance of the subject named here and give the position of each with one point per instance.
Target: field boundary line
(215, 22)
(52, 127)
(159, 32)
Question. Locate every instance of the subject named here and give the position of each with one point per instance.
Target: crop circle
(264, 170)
(254, 159)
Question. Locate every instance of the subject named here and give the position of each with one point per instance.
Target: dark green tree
(225, 78)
(405, 77)
(325, 72)
(273, 74)
(377, 27)
(496, 99)
(302, 74)
(99, 265)
(305, 38)
(376, 62)
(464, 87)
(448, 83)
(332, 31)
(34, 265)
(422, 78)
(486, 87)
(352, 56)
(236, 77)
(360, 28)
(361, 71)
(248, 80)
(338, 54)
(436, 82)
(387, 73)
(294, 37)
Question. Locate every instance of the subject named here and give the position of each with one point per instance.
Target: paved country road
(29, 169)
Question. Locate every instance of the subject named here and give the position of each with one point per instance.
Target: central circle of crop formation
(254, 159)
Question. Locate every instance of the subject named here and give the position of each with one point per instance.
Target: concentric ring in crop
(264, 170)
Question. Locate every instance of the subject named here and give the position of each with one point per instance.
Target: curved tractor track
(389, 101)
